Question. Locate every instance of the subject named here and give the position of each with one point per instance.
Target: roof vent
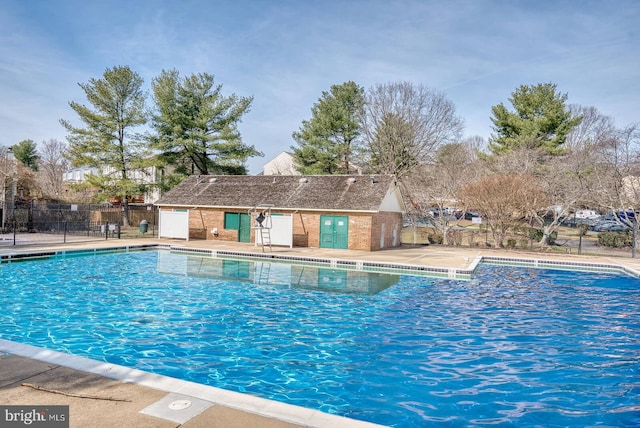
(213, 180)
(304, 180)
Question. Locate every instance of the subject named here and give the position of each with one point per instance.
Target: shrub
(435, 238)
(615, 239)
(511, 243)
(535, 234)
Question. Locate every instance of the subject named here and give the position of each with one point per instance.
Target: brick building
(358, 212)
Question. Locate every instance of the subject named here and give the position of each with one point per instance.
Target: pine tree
(106, 141)
(26, 153)
(327, 141)
(197, 126)
(541, 120)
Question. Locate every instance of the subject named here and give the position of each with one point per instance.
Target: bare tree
(587, 142)
(518, 160)
(552, 177)
(617, 183)
(52, 166)
(617, 166)
(7, 163)
(403, 125)
(567, 178)
(557, 179)
(8, 180)
(594, 128)
(476, 145)
(502, 200)
(431, 189)
(27, 185)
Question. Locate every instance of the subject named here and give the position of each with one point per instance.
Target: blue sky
(285, 53)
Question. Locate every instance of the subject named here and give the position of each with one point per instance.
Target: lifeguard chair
(261, 222)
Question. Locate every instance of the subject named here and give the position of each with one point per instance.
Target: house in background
(149, 176)
(282, 164)
(356, 212)
(78, 175)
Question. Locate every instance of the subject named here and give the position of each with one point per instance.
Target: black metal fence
(33, 223)
(58, 232)
(570, 239)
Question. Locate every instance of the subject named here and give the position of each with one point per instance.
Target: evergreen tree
(106, 142)
(26, 153)
(541, 120)
(197, 127)
(327, 141)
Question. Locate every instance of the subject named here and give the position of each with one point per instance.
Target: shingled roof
(313, 192)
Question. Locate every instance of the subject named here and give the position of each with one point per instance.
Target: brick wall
(360, 232)
(386, 230)
(208, 220)
(367, 232)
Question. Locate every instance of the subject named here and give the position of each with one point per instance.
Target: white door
(173, 224)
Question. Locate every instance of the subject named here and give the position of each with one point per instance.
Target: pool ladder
(265, 237)
(261, 276)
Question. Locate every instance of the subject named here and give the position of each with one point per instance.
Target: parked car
(469, 215)
(448, 213)
(619, 216)
(626, 215)
(616, 228)
(574, 222)
(587, 214)
(610, 226)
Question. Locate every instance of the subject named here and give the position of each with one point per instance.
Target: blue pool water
(513, 347)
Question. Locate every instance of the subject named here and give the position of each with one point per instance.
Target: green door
(244, 232)
(334, 231)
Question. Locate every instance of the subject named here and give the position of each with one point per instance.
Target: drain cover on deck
(177, 407)
(179, 404)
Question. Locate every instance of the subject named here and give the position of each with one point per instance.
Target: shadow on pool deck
(55, 374)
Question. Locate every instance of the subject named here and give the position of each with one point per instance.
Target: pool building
(355, 212)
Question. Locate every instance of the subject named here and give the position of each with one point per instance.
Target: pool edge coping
(245, 402)
(358, 265)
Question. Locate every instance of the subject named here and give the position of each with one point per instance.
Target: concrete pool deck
(106, 395)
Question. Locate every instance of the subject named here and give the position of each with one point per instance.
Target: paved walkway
(104, 395)
(432, 256)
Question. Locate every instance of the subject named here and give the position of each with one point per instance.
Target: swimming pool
(513, 347)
